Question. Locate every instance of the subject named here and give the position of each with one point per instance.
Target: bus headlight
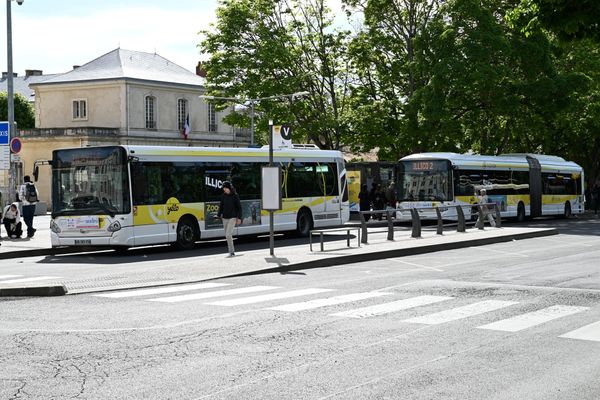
(115, 226)
(54, 227)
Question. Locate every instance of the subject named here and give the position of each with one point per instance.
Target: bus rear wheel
(304, 223)
(521, 212)
(187, 234)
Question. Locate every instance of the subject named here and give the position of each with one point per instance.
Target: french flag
(186, 127)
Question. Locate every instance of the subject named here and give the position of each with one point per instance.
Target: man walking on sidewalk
(29, 196)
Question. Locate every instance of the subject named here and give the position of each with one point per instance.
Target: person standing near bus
(364, 201)
(485, 212)
(230, 212)
(596, 197)
(29, 196)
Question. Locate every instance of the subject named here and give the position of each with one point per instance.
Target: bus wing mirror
(36, 172)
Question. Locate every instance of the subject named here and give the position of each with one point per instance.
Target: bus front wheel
(521, 212)
(304, 223)
(186, 234)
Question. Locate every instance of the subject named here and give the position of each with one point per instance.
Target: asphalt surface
(311, 337)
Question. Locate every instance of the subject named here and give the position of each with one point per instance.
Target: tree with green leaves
(384, 60)
(24, 111)
(569, 19)
(263, 48)
(491, 88)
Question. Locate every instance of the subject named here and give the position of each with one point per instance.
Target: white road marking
(486, 249)
(532, 319)
(330, 301)
(416, 265)
(9, 276)
(268, 297)
(387, 308)
(588, 332)
(208, 295)
(161, 290)
(34, 279)
(461, 312)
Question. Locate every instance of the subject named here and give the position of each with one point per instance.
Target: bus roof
(516, 160)
(229, 151)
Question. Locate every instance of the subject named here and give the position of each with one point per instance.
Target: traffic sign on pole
(15, 145)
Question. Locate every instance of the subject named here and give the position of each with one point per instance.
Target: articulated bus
(522, 185)
(125, 196)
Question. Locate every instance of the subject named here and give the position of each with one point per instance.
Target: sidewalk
(158, 271)
(38, 245)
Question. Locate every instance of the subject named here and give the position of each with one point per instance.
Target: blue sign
(4, 134)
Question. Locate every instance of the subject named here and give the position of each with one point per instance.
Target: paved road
(515, 320)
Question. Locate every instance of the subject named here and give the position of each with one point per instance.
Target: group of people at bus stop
(377, 199)
(27, 198)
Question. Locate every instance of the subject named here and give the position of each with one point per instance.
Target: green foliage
(419, 75)
(24, 111)
(569, 19)
(263, 48)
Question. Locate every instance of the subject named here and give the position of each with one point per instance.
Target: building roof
(21, 84)
(128, 64)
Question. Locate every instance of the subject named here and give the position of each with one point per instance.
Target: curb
(38, 252)
(61, 290)
(38, 291)
(335, 261)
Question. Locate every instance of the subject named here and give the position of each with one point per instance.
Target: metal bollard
(440, 225)
(498, 218)
(416, 223)
(481, 218)
(462, 225)
(363, 228)
(390, 225)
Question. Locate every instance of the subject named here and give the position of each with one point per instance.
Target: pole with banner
(271, 197)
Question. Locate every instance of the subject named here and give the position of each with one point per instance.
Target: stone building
(122, 97)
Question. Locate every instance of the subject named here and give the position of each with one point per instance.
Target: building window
(212, 118)
(79, 109)
(182, 112)
(150, 112)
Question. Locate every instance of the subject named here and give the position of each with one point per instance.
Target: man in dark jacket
(230, 211)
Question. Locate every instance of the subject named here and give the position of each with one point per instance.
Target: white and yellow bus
(125, 196)
(522, 185)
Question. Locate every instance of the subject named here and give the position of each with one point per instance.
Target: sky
(55, 35)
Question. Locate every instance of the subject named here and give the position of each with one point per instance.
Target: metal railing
(482, 209)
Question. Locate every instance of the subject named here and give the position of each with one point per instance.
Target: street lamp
(242, 100)
(10, 90)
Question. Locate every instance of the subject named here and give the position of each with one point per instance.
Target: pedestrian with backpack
(29, 197)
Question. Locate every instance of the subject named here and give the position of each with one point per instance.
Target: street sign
(4, 158)
(15, 145)
(282, 136)
(4, 137)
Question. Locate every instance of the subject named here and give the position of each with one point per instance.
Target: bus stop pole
(271, 216)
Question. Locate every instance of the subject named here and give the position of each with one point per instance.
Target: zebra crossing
(12, 279)
(208, 293)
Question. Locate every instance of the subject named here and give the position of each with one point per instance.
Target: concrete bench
(322, 232)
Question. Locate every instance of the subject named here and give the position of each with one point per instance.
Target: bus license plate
(83, 241)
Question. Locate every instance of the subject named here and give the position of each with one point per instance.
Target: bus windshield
(424, 180)
(90, 181)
